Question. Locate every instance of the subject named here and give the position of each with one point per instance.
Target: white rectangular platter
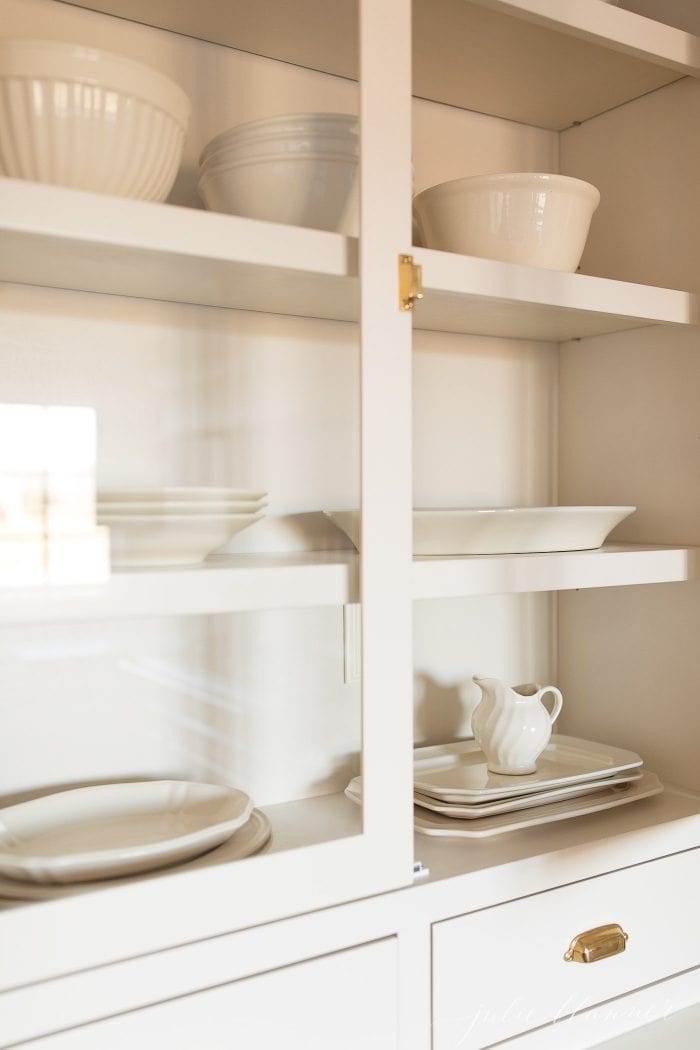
(458, 772)
(447, 827)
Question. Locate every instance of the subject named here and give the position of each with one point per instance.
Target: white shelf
(567, 60)
(268, 581)
(223, 584)
(62, 238)
(614, 565)
(498, 868)
(674, 815)
(484, 297)
(303, 822)
(80, 914)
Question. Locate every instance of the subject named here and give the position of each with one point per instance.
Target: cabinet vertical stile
(386, 425)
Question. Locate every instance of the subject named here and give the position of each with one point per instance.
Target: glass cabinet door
(198, 661)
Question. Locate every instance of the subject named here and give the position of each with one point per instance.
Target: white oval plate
(116, 829)
(249, 839)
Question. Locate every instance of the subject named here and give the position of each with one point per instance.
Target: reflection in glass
(48, 462)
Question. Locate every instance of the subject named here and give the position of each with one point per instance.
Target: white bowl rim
(218, 170)
(216, 165)
(500, 180)
(101, 68)
(293, 131)
(244, 134)
(282, 145)
(250, 128)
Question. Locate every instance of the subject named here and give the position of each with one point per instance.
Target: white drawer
(501, 971)
(346, 1000)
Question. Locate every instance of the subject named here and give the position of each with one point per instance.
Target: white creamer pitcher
(512, 726)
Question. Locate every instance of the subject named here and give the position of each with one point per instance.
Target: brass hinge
(410, 282)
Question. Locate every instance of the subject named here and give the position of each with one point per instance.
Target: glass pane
(164, 455)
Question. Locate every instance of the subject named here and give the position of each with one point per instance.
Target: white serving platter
(247, 840)
(500, 530)
(621, 795)
(458, 772)
(506, 805)
(116, 829)
(512, 805)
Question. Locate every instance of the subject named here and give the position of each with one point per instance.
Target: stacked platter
(457, 796)
(71, 840)
(175, 526)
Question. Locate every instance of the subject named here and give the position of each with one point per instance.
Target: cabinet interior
(188, 394)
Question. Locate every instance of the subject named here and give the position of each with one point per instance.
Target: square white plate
(512, 805)
(446, 827)
(506, 805)
(458, 772)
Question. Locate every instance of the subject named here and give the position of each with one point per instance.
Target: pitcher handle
(558, 701)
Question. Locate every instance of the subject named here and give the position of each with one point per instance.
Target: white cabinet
(345, 1000)
(218, 349)
(520, 979)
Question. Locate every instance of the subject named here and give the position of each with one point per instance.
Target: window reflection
(48, 462)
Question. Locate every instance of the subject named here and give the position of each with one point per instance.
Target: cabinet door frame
(41, 941)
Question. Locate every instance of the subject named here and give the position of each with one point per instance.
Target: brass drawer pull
(600, 943)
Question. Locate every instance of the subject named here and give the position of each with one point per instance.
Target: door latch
(410, 282)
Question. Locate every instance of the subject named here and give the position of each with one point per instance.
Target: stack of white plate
(175, 526)
(68, 840)
(299, 169)
(457, 796)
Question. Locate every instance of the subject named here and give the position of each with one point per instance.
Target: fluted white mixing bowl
(89, 119)
(535, 219)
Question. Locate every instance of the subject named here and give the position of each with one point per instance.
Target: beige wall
(630, 434)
